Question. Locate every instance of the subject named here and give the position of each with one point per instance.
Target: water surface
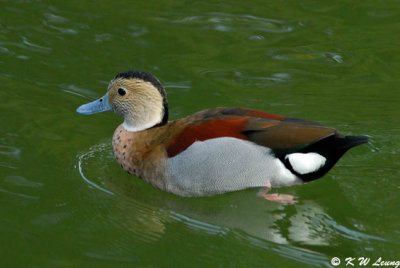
(66, 202)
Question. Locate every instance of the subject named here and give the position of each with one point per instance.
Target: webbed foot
(286, 199)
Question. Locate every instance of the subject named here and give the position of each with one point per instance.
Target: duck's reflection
(241, 211)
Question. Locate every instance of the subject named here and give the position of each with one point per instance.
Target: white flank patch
(306, 163)
(225, 164)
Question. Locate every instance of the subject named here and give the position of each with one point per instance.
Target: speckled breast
(124, 147)
(140, 154)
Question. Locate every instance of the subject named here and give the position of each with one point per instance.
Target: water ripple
(347, 232)
(296, 55)
(52, 19)
(103, 37)
(183, 85)
(55, 18)
(21, 181)
(61, 29)
(20, 195)
(93, 152)
(137, 31)
(226, 22)
(50, 219)
(38, 48)
(241, 78)
(199, 225)
(10, 151)
(24, 44)
(75, 90)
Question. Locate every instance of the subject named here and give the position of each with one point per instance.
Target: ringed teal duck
(217, 150)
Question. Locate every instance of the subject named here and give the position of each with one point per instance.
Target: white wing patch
(306, 163)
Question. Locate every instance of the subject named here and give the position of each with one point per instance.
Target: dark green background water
(64, 200)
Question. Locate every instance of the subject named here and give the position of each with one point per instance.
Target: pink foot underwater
(286, 199)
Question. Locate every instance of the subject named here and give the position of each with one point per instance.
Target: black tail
(332, 148)
(351, 141)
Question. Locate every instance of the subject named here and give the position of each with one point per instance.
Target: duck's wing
(287, 136)
(282, 135)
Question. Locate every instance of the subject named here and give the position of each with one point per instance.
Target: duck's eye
(121, 91)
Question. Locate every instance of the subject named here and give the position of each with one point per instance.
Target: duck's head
(138, 96)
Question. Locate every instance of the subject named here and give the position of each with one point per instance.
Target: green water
(65, 202)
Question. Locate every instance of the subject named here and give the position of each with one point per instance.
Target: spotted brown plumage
(217, 150)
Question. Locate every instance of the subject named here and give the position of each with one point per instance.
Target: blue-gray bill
(97, 106)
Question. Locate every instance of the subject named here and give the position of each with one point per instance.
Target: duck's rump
(331, 148)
